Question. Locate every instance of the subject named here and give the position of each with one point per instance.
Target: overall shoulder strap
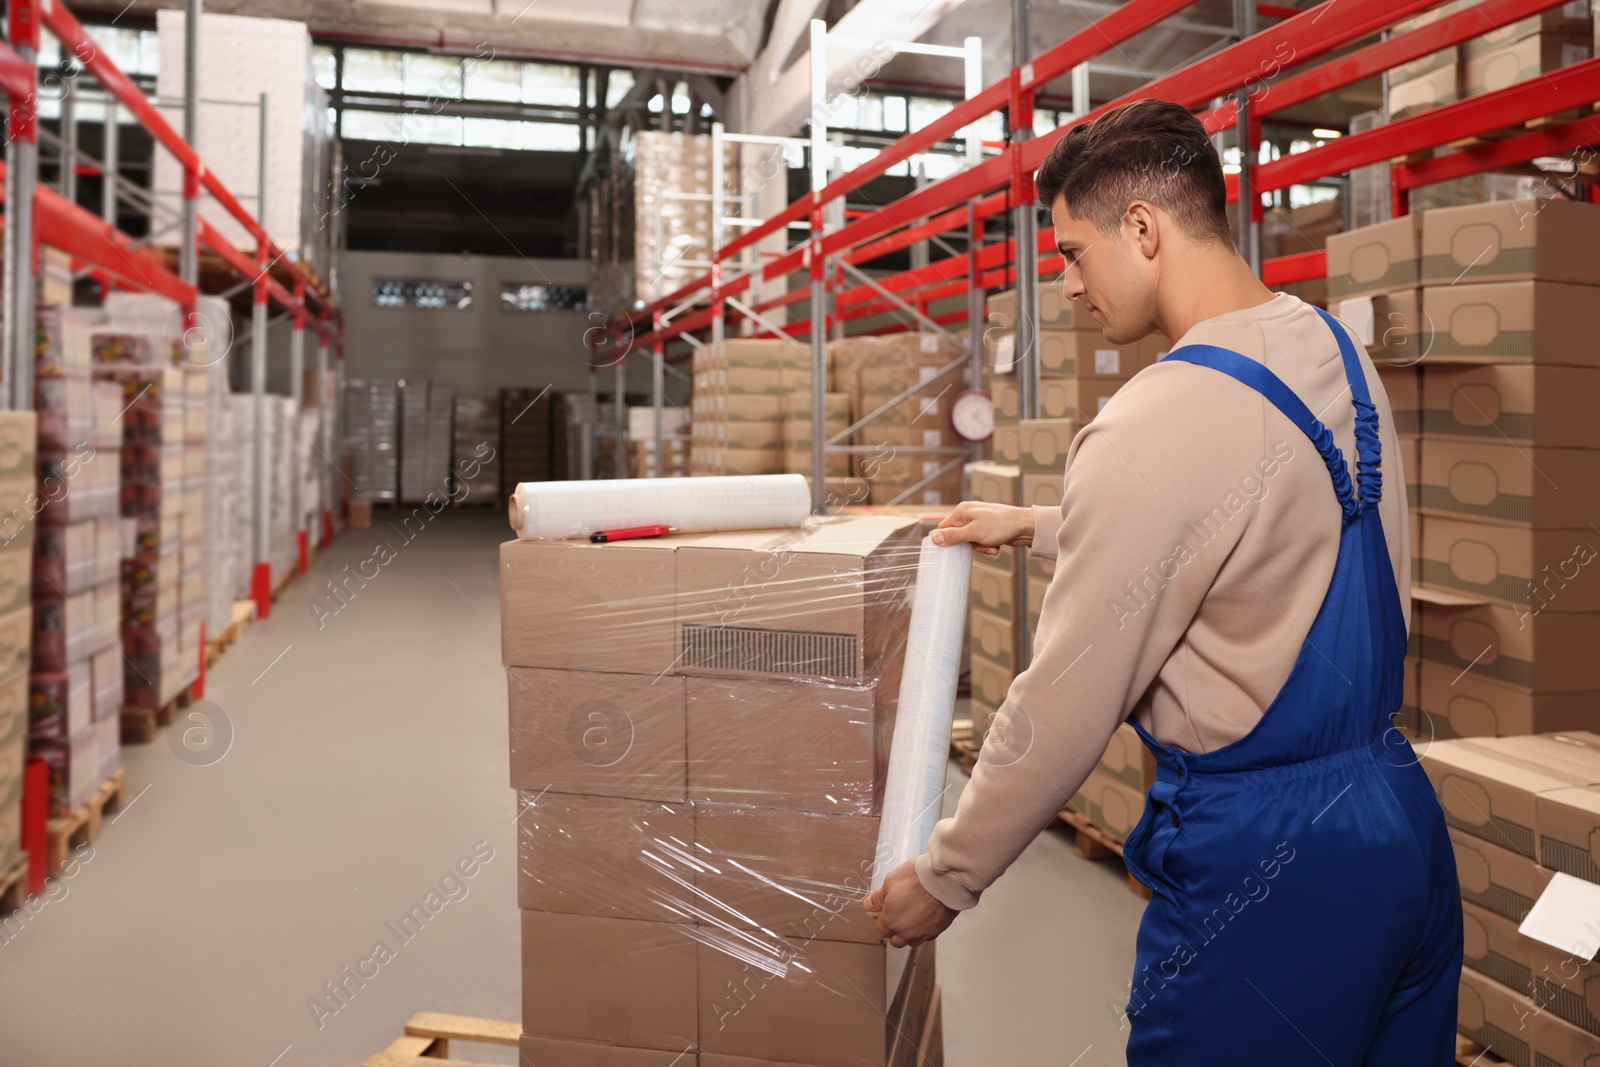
(1247, 371)
(1369, 446)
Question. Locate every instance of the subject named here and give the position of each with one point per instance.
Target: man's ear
(1144, 226)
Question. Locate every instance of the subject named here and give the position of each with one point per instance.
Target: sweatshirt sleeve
(1137, 547)
(1046, 528)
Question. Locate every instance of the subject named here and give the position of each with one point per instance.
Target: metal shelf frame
(1267, 70)
(41, 216)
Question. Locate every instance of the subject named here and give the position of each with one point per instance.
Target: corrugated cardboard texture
(1548, 652)
(1042, 490)
(1006, 443)
(1087, 354)
(1569, 832)
(1496, 1016)
(803, 746)
(1075, 398)
(622, 735)
(1384, 257)
(1055, 311)
(990, 682)
(618, 981)
(813, 1002)
(1127, 759)
(604, 856)
(1561, 1044)
(994, 638)
(995, 483)
(993, 589)
(1492, 947)
(1545, 488)
(795, 874)
(1403, 384)
(1439, 86)
(1500, 68)
(1522, 405)
(1506, 240)
(1043, 444)
(1110, 804)
(1495, 878)
(1567, 987)
(1535, 570)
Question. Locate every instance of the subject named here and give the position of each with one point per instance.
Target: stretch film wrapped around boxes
(701, 731)
(372, 433)
(475, 450)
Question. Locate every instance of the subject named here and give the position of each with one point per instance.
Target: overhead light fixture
(1327, 135)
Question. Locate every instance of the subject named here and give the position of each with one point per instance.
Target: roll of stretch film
(546, 510)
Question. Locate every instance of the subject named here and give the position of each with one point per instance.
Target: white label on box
(930, 342)
(1573, 53)
(1357, 314)
(930, 467)
(928, 406)
(1575, 9)
(1107, 361)
(931, 438)
(1101, 406)
(1564, 916)
(926, 373)
(1005, 354)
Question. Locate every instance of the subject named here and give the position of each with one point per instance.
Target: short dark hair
(1151, 150)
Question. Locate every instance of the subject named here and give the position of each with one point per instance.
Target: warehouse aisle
(213, 921)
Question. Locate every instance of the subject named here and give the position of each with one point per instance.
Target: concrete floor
(368, 756)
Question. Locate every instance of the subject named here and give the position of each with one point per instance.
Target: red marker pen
(627, 533)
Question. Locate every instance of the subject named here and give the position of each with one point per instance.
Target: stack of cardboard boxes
(372, 434)
(73, 706)
(700, 731)
(671, 234)
(193, 578)
(17, 482)
(1507, 461)
(1521, 809)
(1525, 49)
(526, 442)
(675, 442)
(1297, 230)
(737, 406)
(426, 408)
(475, 452)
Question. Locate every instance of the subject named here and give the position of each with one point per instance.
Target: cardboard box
(1571, 19)
(1569, 834)
(990, 682)
(1545, 653)
(1041, 490)
(1075, 398)
(1418, 67)
(1523, 404)
(1054, 309)
(1463, 703)
(1495, 481)
(1533, 570)
(1488, 788)
(1403, 384)
(1043, 444)
(1493, 947)
(994, 483)
(613, 735)
(1496, 1017)
(995, 638)
(1433, 89)
(802, 746)
(814, 1002)
(1511, 240)
(993, 589)
(615, 981)
(1129, 760)
(913, 1014)
(1040, 572)
(1560, 1044)
(1392, 326)
(1006, 444)
(1496, 878)
(1087, 354)
(1505, 66)
(1509, 322)
(1568, 987)
(791, 873)
(550, 1052)
(596, 855)
(1008, 560)
(1111, 804)
(580, 606)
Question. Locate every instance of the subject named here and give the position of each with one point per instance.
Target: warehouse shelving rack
(1262, 72)
(38, 215)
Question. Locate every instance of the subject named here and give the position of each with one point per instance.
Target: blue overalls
(1305, 908)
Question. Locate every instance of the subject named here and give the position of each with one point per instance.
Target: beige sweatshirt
(1194, 545)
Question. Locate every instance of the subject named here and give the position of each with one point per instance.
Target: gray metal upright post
(1244, 26)
(189, 243)
(1024, 227)
(325, 427)
(819, 286)
(69, 142)
(22, 177)
(297, 366)
(619, 413)
(109, 166)
(258, 379)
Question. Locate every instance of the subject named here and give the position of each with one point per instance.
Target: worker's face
(1113, 277)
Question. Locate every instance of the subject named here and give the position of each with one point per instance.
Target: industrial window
(494, 79)
(367, 70)
(325, 63)
(618, 85)
(528, 136)
(545, 83)
(420, 293)
(515, 296)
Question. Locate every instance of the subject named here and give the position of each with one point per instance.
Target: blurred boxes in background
(475, 452)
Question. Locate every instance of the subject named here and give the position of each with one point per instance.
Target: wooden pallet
(141, 725)
(14, 885)
(428, 1035)
(1089, 841)
(283, 583)
(1471, 1054)
(82, 827)
(243, 615)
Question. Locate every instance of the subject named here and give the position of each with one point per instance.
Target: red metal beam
(1302, 266)
(211, 237)
(1548, 141)
(64, 225)
(16, 74)
(1375, 59)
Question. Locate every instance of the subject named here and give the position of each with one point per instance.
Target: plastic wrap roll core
(915, 786)
(546, 510)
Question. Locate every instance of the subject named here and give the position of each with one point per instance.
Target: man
(1230, 584)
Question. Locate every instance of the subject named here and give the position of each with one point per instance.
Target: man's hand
(906, 913)
(986, 526)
